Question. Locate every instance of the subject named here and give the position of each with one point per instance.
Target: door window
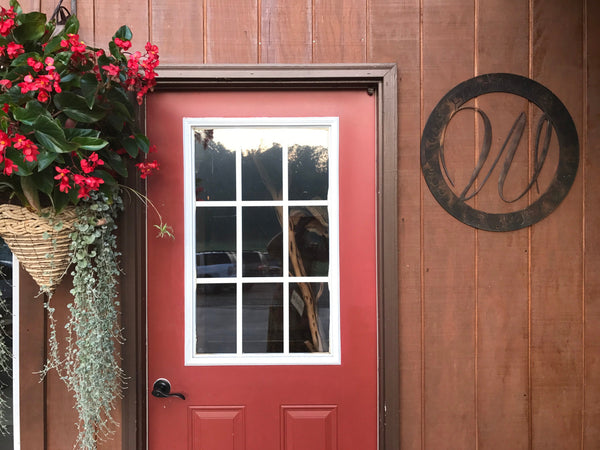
(261, 216)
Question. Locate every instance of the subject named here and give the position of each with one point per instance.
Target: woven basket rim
(32, 237)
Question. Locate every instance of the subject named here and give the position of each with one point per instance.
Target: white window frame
(333, 356)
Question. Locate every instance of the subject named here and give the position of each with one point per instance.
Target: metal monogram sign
(554, 120)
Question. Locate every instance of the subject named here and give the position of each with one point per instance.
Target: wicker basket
(38, 245)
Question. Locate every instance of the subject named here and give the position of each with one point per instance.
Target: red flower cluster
(75, 45)
(125, 45)
(146, 168)
(12, 50)
(142, 83)
(86, 183)
(18, 142)
(44, 83)
(7, 21)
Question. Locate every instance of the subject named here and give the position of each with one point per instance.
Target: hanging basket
(41, 243)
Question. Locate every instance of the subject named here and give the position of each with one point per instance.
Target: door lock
(162, 389)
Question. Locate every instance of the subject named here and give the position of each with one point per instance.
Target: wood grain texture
(393, 35)
(178, 31)
(502, 258)
(232, 33)
(448, 248)
(61, 417)
(110, 16)
(85, 15)
(557, 248)
(286, 31)
(32, 354)
(591, 139)
(340, 28)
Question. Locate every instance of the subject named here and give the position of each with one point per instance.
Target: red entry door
(262, 311)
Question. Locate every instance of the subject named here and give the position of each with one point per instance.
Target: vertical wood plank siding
(394, 36)
(499, 332)
(448, 249)
(557, 247)
(502, 274)
(591, 142)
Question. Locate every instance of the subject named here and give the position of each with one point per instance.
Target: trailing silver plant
(90, 363)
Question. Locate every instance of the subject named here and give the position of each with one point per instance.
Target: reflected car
(255, 264)
(216, 264)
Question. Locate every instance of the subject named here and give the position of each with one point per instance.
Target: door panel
(276, 406)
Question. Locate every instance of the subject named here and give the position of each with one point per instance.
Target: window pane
(261, 172)
(262, 318)
(215, 318)
(309, 241)
(261, 237)
(308, 161)
(215, 168)
(309, 317)
(215, 242)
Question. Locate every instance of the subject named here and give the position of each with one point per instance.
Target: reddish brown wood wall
(499, 332)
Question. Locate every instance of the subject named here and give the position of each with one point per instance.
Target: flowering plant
(68, 111)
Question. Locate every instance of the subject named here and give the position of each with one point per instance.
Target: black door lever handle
(162, 389)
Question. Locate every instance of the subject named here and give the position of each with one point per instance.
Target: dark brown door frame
(378, 79)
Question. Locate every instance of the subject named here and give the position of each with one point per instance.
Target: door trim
(378, 79)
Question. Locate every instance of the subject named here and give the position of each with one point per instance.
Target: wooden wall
(499, 332)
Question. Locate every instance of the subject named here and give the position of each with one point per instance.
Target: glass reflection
(214, 168)
(262, 243)
(216, 318)
(261, 173)
(215, 242)
(262, 318)
(308, 171)
(309, 317)
(309, 241)
(6, 333)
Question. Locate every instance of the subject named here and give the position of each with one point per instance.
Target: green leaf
(53, 45)
(45, 159)
(30, 191)
(114, 161)
(124, 33)
(50, 127)
(142, 142)
(59, 200)
(51, 135)
(119, 95)
(89, 143)
(116, 122)
(114, 50)
(32, 28)
(72, 25)
(107, 177)
(76, 107)
(71, 133)
(25, 167)
(130, 146)
(89, 88)
(44, 181)
(22, 60)
(25, 116)
(122, 111)
(85, 116)
(32, 112)
(54, 145)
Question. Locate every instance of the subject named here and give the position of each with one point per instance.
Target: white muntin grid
(290, 124)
